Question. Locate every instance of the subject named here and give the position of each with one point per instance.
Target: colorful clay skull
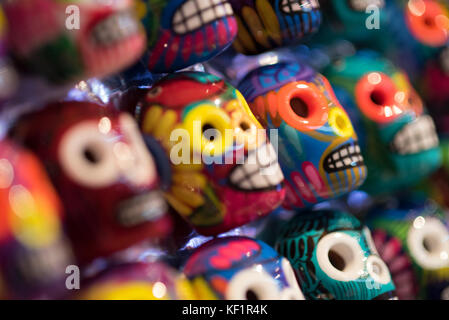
(412, 237)
(352, 20)
(264, 25)
(334, 257)
(67, 40)
(225, 172)
(240, 268)
(398, 140)
(107, 179)
(138, 281)
(318, 149)
(415, 29)
(184, 32)
(34, 253)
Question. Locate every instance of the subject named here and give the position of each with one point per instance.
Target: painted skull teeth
(46, 263)
(141, 209)
(194, 14)
(290, 6)
(115, 28)
(260, 171)
(417, 136)
(346, 157)
(362, 5)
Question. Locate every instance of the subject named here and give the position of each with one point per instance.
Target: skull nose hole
(244, 126)
(91, 156)
(251, 295)
(378, 97)
(337, 260)
(299, 107)
(341, 123)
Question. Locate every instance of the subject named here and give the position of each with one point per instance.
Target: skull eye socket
(428, 21)
(302, 106)
(428, 240)
(378, 97)
(340, 256)
(86, 156)
(250, 284)
(207, 126)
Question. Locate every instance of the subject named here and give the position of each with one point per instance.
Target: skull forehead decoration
(417, 234)
(138, 281)
(106, 177)
(267, 24)
(318, 150)
(33, 250)
(398, 140)
(334, 257)
(239, 268)
(97, 39)
(228, 173)
(184, 32)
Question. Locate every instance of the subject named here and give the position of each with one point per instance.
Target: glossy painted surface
(240, 268)
(318, 149)
(45, 40)
(334, 257)
(184, 32)
(138, 281)
(225, 172)
(264, 25)
(426, 29)
(412, 237)
(398, 139)
(34, 252)
(106, 178)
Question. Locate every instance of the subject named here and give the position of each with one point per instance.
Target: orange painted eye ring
(428, 21)
(302, 106)
(377, 97)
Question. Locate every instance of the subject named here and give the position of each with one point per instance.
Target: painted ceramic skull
(240, 268)
(264, 25)
(46, 39)
(106, 177)
(415, 30)
(34, 253)
(138, 281)
(334, 257)
(413, 239)
(225, 172)
(318, 149)
(350, 19)
(398, 140)
(184, 32)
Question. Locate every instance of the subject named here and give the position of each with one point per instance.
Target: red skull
(100, 165)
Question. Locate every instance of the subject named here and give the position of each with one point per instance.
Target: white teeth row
(115, 28)
(141, 209)
(290, 6)
(417, 136)
(345, 157)
(44, 264)
(260, 171)
(362, 5)
(195, 13)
